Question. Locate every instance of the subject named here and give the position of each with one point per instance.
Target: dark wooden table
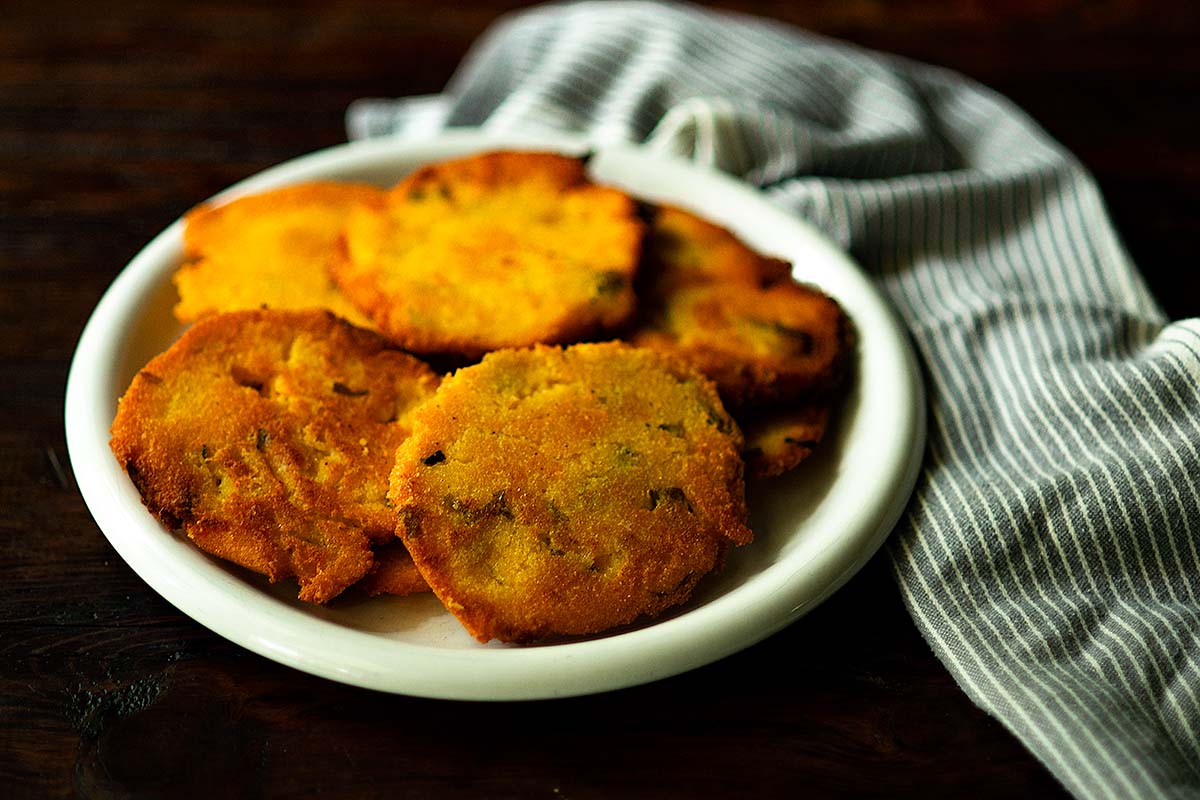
(117, 117)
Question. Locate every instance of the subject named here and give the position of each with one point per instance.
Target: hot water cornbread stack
(545, 491)
(553, 491)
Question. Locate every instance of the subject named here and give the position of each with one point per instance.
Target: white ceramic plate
(815, 527)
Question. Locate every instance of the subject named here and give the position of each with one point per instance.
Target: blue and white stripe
(1049, 553)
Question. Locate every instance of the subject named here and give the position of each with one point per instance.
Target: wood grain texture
(116, 117)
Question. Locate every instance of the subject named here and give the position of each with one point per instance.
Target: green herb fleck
(717, 419)
(802, 339)
(610, 283)
(410, 523)
(673, 495)
(343, 389)
(626, 456)
(473, 515)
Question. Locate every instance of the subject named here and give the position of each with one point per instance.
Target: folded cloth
(1048, 554)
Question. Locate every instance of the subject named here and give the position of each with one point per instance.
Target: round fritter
(496, 250)
(268, 250)
(552, 491)
(778, 439)
(760, 344)
(268, 436)
(736, 314)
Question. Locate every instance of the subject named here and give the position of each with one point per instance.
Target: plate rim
(655, 651)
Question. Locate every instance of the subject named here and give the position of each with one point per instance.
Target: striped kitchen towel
(1048, 554)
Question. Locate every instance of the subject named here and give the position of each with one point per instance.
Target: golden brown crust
(778, 440)
(684, 248)
(268, 250)
(497, 250)
(393, 572)
(552, 491)
(267, 436)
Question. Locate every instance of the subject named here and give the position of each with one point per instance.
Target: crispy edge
(394, 572)
(780, 439)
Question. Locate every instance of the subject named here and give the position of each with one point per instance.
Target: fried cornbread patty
(268, 436)
(497, 250)
(760, 345)
(270, 249)
(737, 315)
(551, 491)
